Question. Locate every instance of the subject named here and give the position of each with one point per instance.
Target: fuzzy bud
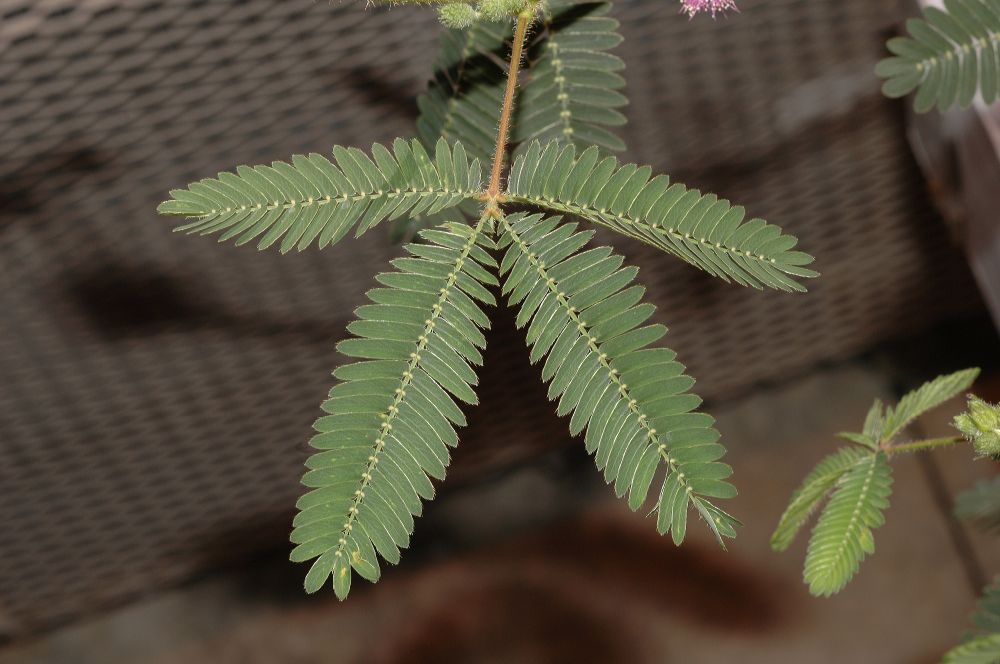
(980, 424)
(501, 10)
(457, 15)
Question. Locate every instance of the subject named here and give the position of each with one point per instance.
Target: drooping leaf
(704, 230)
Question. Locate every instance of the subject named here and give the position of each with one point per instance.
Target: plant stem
(520, 33)
(917, 445)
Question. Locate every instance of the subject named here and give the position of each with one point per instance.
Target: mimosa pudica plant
(511, 171)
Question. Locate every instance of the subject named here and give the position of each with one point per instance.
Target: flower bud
(980, 424)
(501, 10)
(457, 15)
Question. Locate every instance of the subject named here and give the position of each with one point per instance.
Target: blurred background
(157, 390)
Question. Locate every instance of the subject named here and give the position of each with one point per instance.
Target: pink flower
(692, 7)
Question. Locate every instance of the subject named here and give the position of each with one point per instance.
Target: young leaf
(586, 319)
(812, 491)
(979, 650)
(843, 534)
(929, 395)
(947, 56)
(392, 419)
(313, 200)
(703, 230)
(572, 88)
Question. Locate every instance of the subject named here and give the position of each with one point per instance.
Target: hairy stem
(520, 33)
(918, 445)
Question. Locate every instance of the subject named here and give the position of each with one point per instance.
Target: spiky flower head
(980, 424)
(713, 7)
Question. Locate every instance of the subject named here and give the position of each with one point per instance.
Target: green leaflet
(929, 395)
(584, 316)
(843, 535)
(392, 419)
(947, 57)
(811, 493)
(705, 231)
(572, 90)
(390, 422)
(313, 200)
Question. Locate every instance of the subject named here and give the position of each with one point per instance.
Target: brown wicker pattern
(157, 389)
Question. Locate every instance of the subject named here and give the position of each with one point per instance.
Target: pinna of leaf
(949, 56)
(390, 422)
